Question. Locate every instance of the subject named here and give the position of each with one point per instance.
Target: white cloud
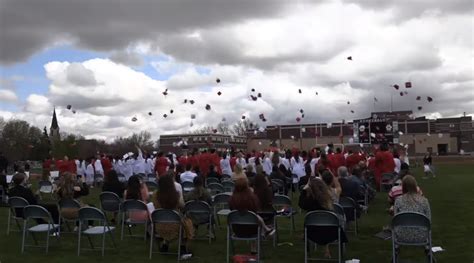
(8, 96)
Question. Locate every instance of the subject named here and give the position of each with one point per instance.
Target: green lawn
(451, 196)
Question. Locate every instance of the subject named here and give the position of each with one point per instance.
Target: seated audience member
(177, 185)
(278, 174)
(199, 192)
(357, 177)
(249, 171)
(304, 179)
(238, 173)
(212, 172)
(112, 184)
(397, 189)
(315, 196)
(411, 201)
(71, 188)
(333, 185)
(136, 190)
(263, 189)
(19, 189)
(349, 187)
(167, 197)
(187, 176)
(243, 199)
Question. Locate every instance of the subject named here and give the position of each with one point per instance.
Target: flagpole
(391, 102)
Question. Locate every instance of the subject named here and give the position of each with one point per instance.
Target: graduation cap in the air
(74, 111)
(208, 107)
(134, 119)
(264, 120)
(192, 102)
(214, 131)
(223, 119)
(405, 92)
(349, 58)
(193, 116)
(352, 111)
(259, 95)
(302, 115)
(191, 124)
(68, 107)
(253, 90)
(408, 85)
(261, 116)
(254, 98)
(218, 80)
(185, 100)
(165, 115)
(396, 86)
(348, 102)
(429, 99)
(401, 93)
(298, 119)
(165, 92)
(243, 117)
(418, 98)
(171, 111)
(420, 108)
(301, 111)
(261, 129)
(219, 93)
(149, 113)
(317, 93)
(299, 91)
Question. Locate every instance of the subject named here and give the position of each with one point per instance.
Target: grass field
(451, 195)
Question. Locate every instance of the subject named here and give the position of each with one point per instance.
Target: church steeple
(54, 130)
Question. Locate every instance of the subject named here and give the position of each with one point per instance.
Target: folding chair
(228, 186)
(278, 186)
(68, 204)
(411, 220)
(321, 219)
(226, 177)
(122, 178)
(110, 202)
(215, 188)
(387, 181)
(87, 214)
(152, 187)
(166, 216)
(38, 212)
(15, 203)
(98, 179)
(212, 180)
(284, 202)
(350, 211)
(131, 206)
(151, 177)
(3, 195)
(45, 187)
(187, 186)
(221, 206)
(247, 219)
(198, 211)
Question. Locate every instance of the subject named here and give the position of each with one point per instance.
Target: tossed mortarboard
(396, 86)
(74, 111)
(134, 119)
(219, 93)
(68, 107)
(149, 113)
(418, 98)
(165, 115)
(218, 80)
(429, 99)
(349, 58)
(408, 85)
(299, 91)
(420, 108)
(208, 107)
(192, 102)
(298, 119)
(259, 95)
(171, 111)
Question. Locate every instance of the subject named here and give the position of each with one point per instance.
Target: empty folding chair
(339, 210)
(87, 214)
(122, 178)
(110, 202)
(414, 222)
(16, 211)
(278, 186)
(201, 214)
(166, 216)
(68, 212)
(37, 213)
(350, 210)
(3, 195)
(98, 179)
(253, 232)
(215, 188)
(187, 186)
(211, 180)
(226, 177)
(45, 187)
(284, 208)
(128, 208)
(319, 220)
(221, 206)
(151, 177)
(228, 186)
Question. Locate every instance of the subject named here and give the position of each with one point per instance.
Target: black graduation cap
(214, 131)
(261, 116)
(302, 115)
(254, 98)
(259, 95)
(149, 113)
(396, 86)
(407, 85)
(301, 110)
(406, 92)
(317, 93)
(208, 107)
(191, 101)
(185, 100)
(299, 91)
(430, 99)
(349, 58)
(401, 93)
(420, 108)
(253, 90)
(218, 80)
(74, 111)
(298, 119)
(352, 111)
(165, 92)
(243, 117)
(418, 98)
(348, 102)
(165, 115)
(171, 111)
(134, 119)
(68, 107)
(219, 93)
(264, 120)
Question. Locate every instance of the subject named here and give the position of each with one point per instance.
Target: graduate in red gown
(384, 163)
(66, 165)
(106, 164)
(338, 160)
(352, 160)
(215, 160)
(204, 162)
(193, 160)
(183, 159)
(161, 164)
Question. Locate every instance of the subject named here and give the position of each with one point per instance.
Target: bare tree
(241, 128)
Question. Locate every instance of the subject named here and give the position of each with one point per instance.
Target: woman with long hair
(315, 196)
(263, 189)
(167, 197)
(136, 190)
(71, 188)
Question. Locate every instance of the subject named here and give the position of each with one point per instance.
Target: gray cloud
(79, 75)
(127, 58)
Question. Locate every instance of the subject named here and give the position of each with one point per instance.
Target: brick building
(220, 142)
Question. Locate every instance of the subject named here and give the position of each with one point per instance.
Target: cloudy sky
(113, 59)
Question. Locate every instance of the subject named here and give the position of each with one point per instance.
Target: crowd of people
(321, 176)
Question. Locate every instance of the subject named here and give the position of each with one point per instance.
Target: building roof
(54, 122)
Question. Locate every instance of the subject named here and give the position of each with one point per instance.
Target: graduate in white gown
(267, 164)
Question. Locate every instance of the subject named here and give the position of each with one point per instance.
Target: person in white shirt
(241, 160)
(139, 164)
(313, 163)
(89, 172)
(286, 160)
(98, 166)
(127, 167)
(297, 167)
(267, 164)
(225, 165)
(188, 176)
(398, 163)
(79, 170)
